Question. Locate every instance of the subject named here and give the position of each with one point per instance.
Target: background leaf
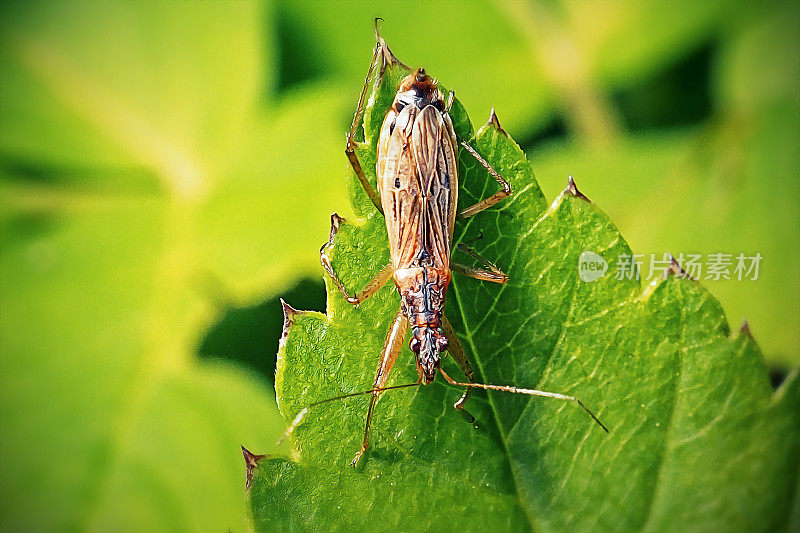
(106, 414)
(698, 439)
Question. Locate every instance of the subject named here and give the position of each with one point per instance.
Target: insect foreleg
(530, 392)
(457, 351)
(350, 149)
(372, 286)
(493, 199)
(391, 349)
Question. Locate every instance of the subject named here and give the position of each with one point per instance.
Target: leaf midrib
(533, 523)
(468, 336)
(181, 171)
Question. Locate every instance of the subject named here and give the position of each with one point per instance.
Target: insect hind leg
(457, 351)
(530, 392)
(491, 273)
(391, 349)
(303, 412)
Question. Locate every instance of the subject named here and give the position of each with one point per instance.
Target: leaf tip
(676, 270)
(744, 330)
(573, 190)
(493, 122)
(251, 462)
(289, 314)
(336, 223)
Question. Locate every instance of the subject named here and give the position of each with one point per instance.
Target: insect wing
(399, 185)
(418, 185)
(433, 145)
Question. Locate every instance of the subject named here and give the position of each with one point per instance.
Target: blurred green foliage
(165, 163)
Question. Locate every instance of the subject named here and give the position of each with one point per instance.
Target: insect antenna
(303, 412)
(530, 392)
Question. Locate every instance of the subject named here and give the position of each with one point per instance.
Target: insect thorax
(422, 294)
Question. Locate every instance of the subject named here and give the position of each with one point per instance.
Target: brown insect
(417, 178)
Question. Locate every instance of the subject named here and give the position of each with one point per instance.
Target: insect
(417, 182)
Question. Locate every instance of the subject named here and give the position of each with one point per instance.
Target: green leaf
(721, 199)
(131, 100)
(698, 439)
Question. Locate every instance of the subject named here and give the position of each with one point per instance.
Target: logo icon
(591, 266)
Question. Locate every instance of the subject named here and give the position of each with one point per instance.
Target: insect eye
(439, 104)
(414, 344)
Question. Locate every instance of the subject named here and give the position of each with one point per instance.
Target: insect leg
(530, 392)
(493, 199)
(478, 273)
(492, 273)
(372, 286)
(351, 143)
(457, 351)
(391, 349)
(451, 96)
